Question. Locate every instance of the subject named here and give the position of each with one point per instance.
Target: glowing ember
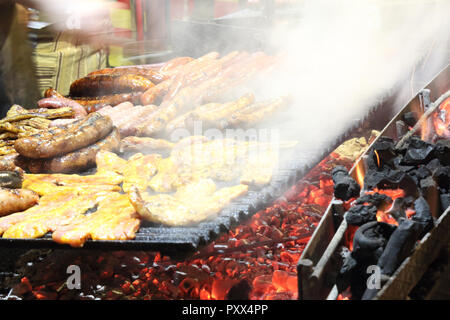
(441, 120)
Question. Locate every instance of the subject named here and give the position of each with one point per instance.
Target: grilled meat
(56, 103)
(148, 73)
(143, 144)
(104, 84)
(93, 104)
(45, 219)
(80, 134)
(75, 161)
(191, 204)
(139, 170)
(109, 161)
(114, 219)
(14, 200)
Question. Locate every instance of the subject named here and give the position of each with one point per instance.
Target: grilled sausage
(55, 103)
(76, 161)
(103, 84)
(56, 141)
(175, 62)
(93, 104)
(52, 93)
(16, 200)
(147, 73)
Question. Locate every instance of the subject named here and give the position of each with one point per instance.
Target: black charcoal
(345, 187)
(410, 118)
(399, 246)
(360, 214)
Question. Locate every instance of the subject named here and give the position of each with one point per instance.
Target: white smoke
(344, 56)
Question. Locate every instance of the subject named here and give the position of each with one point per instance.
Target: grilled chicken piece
(166, 178)
(15, 200)
(109, 161)
(60, 179)
(141, 144)
(114, 219)
(181, 209)
(139, 170)
(46, 203)
(47, 184)
(45, 219)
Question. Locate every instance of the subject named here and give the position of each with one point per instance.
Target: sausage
(52, 93)
(76, 161)
(104, 84)
(175, 62)
(56, 141)
(93, 104)
(11, 179)
(56, 103)
(15, 200)
(147, 73)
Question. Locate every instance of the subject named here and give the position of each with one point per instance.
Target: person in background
(49, 43)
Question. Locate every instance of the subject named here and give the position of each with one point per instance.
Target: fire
(441, 120)
(385, 217)
(359, 170)
(378, 158)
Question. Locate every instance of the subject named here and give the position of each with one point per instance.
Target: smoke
(344, 57)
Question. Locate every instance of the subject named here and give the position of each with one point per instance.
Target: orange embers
(441, 120)
(261, 252)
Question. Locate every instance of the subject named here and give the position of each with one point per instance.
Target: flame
(378, 158)
(441, 120)
(385, 217)
(359, 170)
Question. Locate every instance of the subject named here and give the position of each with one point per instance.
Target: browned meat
(15, 200)
(76, 161)
(103, 84)
(142, 71)
(56, 142)
(61, 102)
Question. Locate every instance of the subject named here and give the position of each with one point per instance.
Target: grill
(320, 262)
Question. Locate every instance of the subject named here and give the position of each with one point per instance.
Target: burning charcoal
(240, 291)
(345, 187)
(361, 214)
(370, 240)
(390, 179)
(397, 209)
(347, 273)
(442, 177)
(399, 246)
(377, 199)
(384, 148)
(418, 152)
(397, 164)
(442, 152)
(410, 118)
(428, 190)
(423, 215)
